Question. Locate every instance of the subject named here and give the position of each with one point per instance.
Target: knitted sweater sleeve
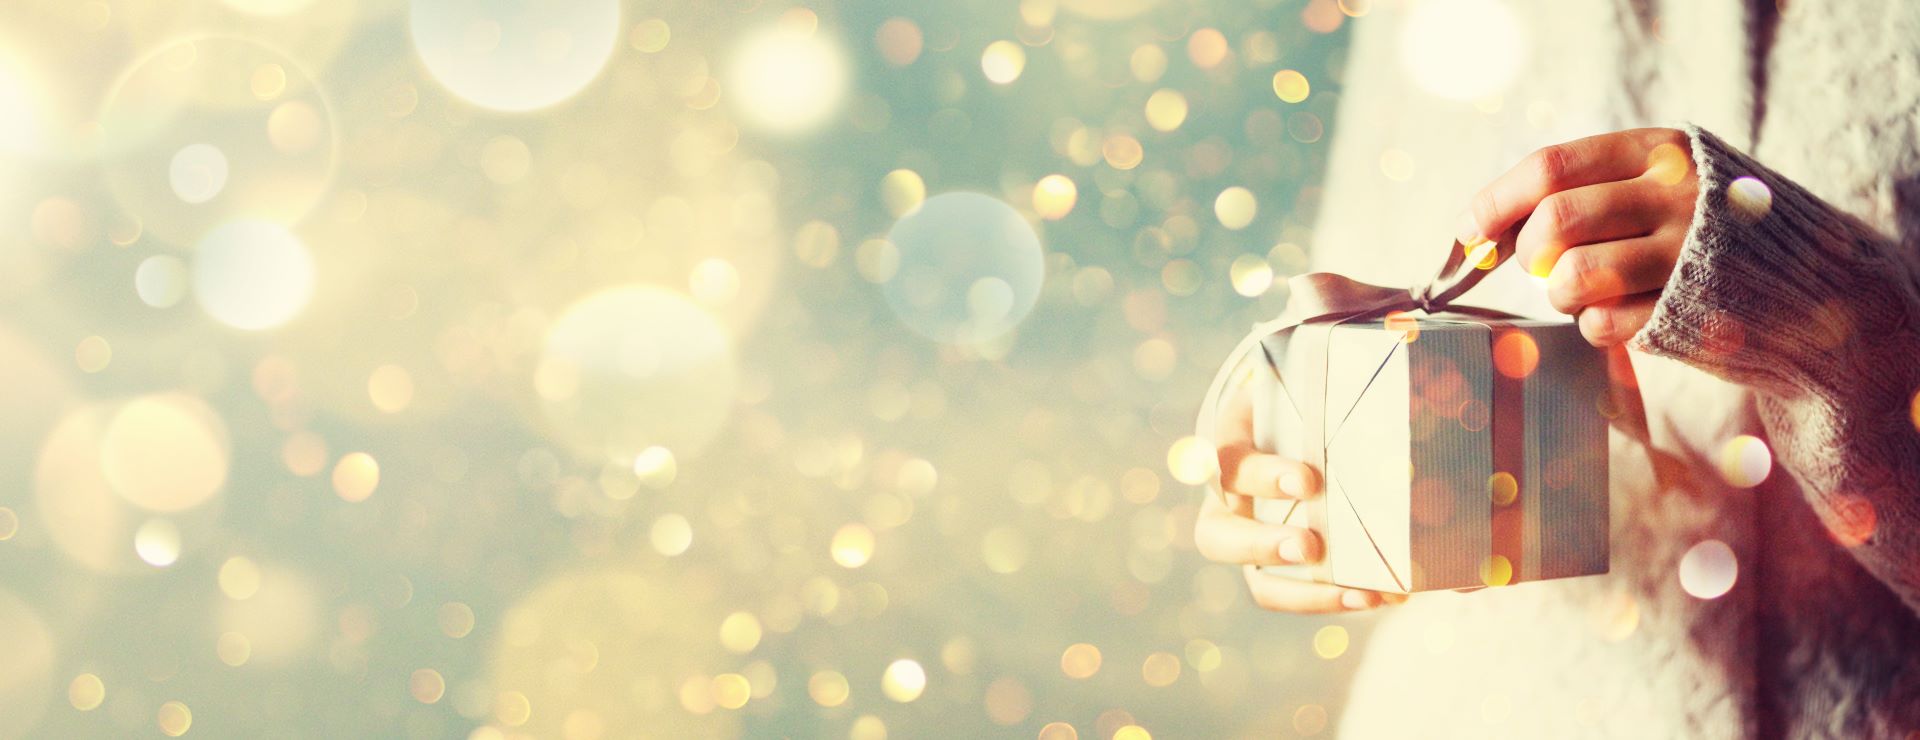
(1820, 315)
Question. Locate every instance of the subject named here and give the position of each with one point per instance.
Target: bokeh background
(596, 369)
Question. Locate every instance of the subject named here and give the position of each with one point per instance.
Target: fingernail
(1355, 600)
(1292, 483)
(1468, 232)
(1293, 550)
(1395, 598)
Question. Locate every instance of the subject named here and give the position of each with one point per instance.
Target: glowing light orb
(1054, 196)
(157, 542)
(634, 367)
(852, 546)
(1166, 109)
(1750, 198)
(1193, 460)
(1235, 207)
(1002, 62)
(970, 268)
(1251, 275)
(786, 80)
(1708, 570)
(165, 453)
(904, 680)
(26, 667)
(1080, 660)
(515, 55)
(161, 280)
(191, 144)
(1330, 642)
(252, 275)
(1462, 49)
(198, 173)
(1744, 461)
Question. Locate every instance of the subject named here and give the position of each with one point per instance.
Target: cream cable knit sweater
(1799, 322)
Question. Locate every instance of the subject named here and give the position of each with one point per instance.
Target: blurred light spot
(252, 275)
(958, 655)
(165, 453)
(1433, 55)
(1003, 61)
(9, 524)
(1291, 86)
(787, 81)
(656, 467)
(1251, 275)
(1617, 616)
(1193, 461)
(731, 690)
(817, 243)
(970, 268)
(1160, 669)
(1502, 488)
(671, 535)
(391, 388)
(268, 81)
(512, 708)
(1148, 63)
(1004, 549)
(239, 578)
(902, 191)
(1851, 519)
(1744, 461)
(1322, 16)
(1397, 165)
(827, 688)
(1750, 198)
(1516, 354)
(1080, 660)
(1053, 197)
(305, 454)
(1309, 719)
(86, 692)
(1355, 8)
(427, 686)
(714, 282)
(93, 354)
(1207, 48)
(650, 35)
(1668, 164)
(157, 542)
(1008, 701)
(1496, 570)
(903, 681)
(852, 545)
(515, 55)
(634, 367)
(1166, 109)
(1708, 570)
(1122, 152)
(233, 649)
(1058, 731)
(161, 280)
(1203, 655)
(899, 41)
(356, 476)
(1330, 642)
(174, 718)
(1235, 207)
(1132, 732)
(505, 159)
(198, 173)
(740, 632)
(456, 619)
(868, 727)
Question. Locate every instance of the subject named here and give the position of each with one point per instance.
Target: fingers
(1224, 536)
(1597, 159)
(1616, 320)
(1250, 473)
(1586, 215)
(1282, 594)
(1595, 272)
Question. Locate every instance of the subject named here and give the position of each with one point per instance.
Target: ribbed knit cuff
(1774, 288)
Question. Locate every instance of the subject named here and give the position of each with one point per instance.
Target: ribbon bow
(1326, 296)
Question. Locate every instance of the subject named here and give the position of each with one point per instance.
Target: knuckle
(1598, 325)
(1562, 215)
(1550, 165)
(1571, 283)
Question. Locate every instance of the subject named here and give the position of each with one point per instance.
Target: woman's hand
(1226, 532)
(1605, 219)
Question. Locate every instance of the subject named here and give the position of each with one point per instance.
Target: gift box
(1459, 447)
(1455, 450)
